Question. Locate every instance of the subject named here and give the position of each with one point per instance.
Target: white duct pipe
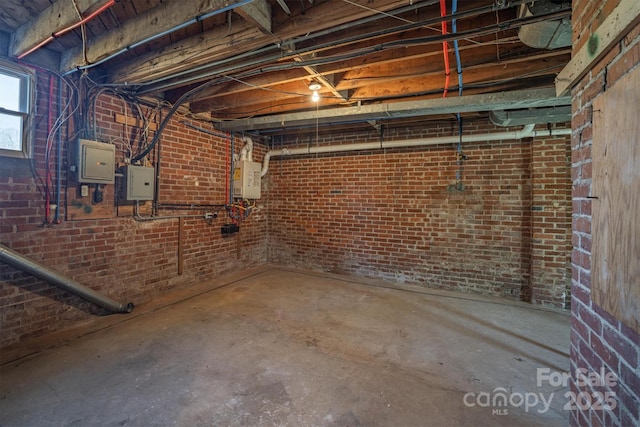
(526, 132)
(246, 152)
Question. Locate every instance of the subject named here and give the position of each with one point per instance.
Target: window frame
(26, 106)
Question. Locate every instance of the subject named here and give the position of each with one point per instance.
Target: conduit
(18, 261)
(526, 132)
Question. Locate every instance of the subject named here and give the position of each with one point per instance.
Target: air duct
(532, 115)
(526, 132)
(18, 261)
(545, 34)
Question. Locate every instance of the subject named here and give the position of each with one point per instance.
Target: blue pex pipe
(454, 28)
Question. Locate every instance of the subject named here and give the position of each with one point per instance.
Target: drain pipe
(246, 152)
(18, 261)
(526, 132)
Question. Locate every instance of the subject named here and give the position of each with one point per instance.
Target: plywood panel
(79, 207)
(616, 210)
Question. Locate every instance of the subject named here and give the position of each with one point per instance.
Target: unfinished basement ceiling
(248, 65)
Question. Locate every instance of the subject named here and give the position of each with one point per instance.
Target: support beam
(56, 17)
(195, 51)
(624, 17)
(154, 22)
(258, 12)
(519, 99)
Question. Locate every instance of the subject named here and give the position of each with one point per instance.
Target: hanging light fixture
(315, 87)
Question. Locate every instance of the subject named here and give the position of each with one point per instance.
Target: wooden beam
(380, 63)
(517, 99)
(199, 50)
(415, 76)
(624, 17)
(189, 53)
(133, 121)
(326, 81)
(56, 17)
(258, 12)
(150, 23)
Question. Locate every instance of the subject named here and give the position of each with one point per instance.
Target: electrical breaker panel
(246, 180)
(94, 162)
(138, 183)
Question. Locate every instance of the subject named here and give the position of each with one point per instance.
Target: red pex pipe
(445, 48)
(69, 28)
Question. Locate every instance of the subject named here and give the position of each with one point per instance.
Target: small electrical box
(138, 183)
(94, 162)
(246, 179)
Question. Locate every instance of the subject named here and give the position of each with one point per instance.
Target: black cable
(170, 114)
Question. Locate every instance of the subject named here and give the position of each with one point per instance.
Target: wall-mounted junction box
(138, 183)
(94, 162)
(246, 179)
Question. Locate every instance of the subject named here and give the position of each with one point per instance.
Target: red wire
(86, 19)
(445, 48)
(69, 28)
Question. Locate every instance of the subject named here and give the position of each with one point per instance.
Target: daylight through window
(14, 112)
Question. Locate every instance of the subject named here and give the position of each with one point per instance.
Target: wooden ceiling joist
(161, 19)
(56, 17)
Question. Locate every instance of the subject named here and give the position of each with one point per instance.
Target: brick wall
(391, 214)
(598, 339)
(123, 258)
(550, 222)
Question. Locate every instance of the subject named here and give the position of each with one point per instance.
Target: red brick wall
(390, 214)
(598, 339)
(118, 256)
(551, 221)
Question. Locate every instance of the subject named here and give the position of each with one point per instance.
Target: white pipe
(526, 132)
(246, 152)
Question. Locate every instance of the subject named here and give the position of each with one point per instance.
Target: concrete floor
(275, 346)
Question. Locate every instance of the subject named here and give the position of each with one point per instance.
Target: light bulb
(315, 97)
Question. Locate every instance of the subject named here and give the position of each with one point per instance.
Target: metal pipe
(19, 261)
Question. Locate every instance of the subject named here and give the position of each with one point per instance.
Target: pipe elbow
(265, 164)
(246, 152)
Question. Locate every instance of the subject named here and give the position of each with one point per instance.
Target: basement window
(14, 111)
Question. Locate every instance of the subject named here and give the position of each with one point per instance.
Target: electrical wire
(69, 28)
(445, 48)
(155, 85)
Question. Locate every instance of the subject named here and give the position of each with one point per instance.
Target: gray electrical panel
(94, 162)
(138, 183)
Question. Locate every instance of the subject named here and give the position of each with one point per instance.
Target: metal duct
(18, 261)
(545, 34)
(505, 118)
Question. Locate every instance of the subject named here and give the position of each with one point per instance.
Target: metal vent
(547, 34)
